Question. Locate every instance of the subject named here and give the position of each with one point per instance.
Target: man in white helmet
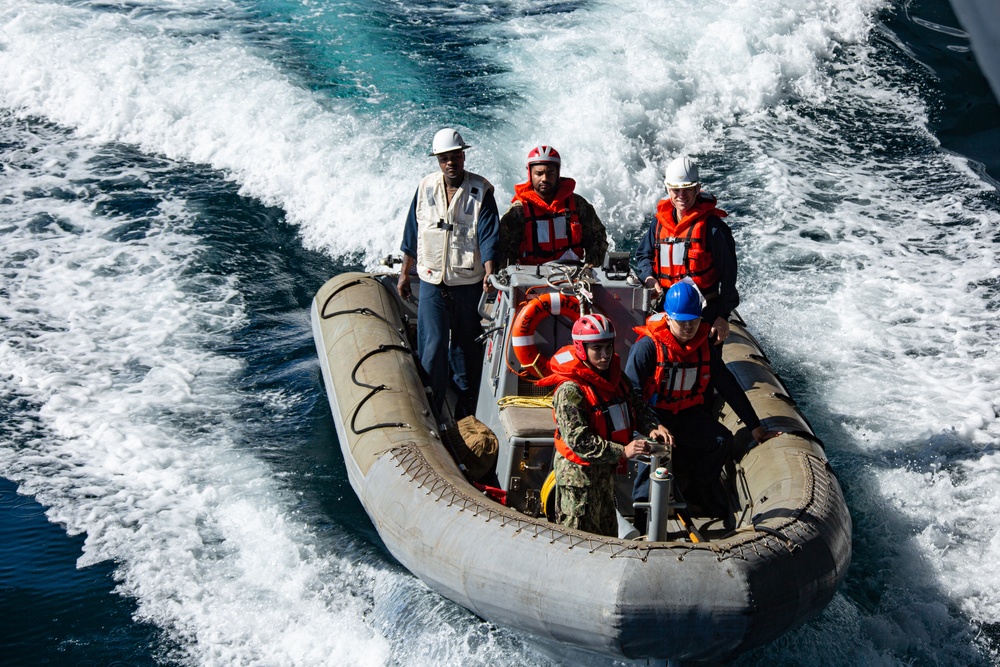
(689, 241)
(547, 220)
(450, 236)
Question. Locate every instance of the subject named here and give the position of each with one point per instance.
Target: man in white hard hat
(689, 241)
(450, 236)
(547, 220)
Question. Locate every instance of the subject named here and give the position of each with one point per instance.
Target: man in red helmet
(547, 220)
(596, 410)
(677, 371)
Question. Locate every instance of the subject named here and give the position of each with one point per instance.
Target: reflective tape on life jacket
(610, 418)
(447, 233)
(526, 322)
(551, 231)
(682, 246)
(682, 374)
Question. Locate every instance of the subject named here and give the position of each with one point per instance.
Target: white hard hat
(446, 140)
(682, 173)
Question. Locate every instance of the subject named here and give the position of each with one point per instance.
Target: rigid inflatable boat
(704, 589)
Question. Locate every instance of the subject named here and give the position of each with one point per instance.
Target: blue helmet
(683, 302)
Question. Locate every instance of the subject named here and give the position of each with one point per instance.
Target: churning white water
(869, 266)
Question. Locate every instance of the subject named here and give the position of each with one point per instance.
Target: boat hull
(621, 598)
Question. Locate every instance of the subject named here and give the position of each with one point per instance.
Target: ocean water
(178, 178)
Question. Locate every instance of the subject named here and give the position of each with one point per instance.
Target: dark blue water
(177, 183)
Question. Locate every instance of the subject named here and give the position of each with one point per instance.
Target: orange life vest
(609, 413)
(682, 247)
(683, 371)
(551, 231)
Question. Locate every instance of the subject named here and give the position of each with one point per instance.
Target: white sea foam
(172, 85)
(870, 269)
(128, 434)
(873, 272)
(183, 87)
(868, 258)
(620, 89)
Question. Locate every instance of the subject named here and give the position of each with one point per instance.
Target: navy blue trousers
(701, 445)
(448, 324)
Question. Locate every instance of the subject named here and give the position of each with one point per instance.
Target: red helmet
(588, 329)
(543, 155)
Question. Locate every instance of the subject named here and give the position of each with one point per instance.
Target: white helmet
(446, 140)
(682, 173)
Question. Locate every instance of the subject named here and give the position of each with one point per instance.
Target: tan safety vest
(447, 240)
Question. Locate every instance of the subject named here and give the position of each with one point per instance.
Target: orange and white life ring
(526, 322)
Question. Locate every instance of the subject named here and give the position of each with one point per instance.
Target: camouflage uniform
(585, 495)
(595, 236)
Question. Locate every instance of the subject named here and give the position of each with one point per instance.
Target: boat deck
(509, 398)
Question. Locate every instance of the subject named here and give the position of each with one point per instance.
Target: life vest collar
(608, 412)
(682, 248)
(683, 370)
(657, 327)
(565, 365)
(704, 205)
(523, 192)
(654, 326)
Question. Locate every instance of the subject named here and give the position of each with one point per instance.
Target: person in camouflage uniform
(596, 411)
(547, 220)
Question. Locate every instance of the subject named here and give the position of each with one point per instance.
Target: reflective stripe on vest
(447, 234)
(611, 420)
(681, 382)
(681, 248)
(549, 236)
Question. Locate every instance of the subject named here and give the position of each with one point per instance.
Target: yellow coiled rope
(526, 401)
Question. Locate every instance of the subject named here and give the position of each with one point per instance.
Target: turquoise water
(178, 179)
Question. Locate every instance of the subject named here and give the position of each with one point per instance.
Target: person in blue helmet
(677, 370)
